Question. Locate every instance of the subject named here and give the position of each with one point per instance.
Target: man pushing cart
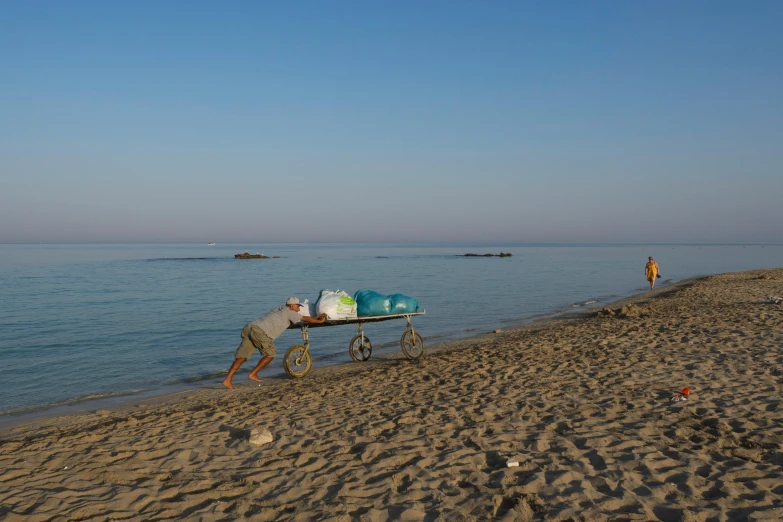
(261, 333)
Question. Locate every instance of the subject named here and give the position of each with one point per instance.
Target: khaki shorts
(252, 339)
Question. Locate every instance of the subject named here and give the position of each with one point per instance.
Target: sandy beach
(582, 402)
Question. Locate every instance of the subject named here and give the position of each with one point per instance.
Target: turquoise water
(86, 321)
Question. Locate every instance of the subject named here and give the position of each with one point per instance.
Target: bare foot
(254, 378)
(227, 384)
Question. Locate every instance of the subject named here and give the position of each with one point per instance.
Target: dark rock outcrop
(248, 255)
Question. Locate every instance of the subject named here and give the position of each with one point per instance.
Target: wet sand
(581, 402)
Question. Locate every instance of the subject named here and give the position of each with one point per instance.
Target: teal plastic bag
(402, 304)
(370, 302)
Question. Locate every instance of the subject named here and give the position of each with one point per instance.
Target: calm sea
(80, 322)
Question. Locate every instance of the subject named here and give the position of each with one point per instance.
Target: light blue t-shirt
(277, 321)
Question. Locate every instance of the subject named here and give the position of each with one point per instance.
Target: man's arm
(315, 320)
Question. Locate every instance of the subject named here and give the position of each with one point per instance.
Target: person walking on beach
(261, 333)
(651, 271)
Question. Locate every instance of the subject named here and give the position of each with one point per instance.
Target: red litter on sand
(682, 396)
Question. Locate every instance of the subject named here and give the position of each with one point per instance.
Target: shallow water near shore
(86, 322)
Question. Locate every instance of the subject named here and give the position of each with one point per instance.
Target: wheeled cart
(298, 363)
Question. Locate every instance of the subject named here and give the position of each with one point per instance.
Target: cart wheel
(412, 345)
(359, 351)
(297, 362)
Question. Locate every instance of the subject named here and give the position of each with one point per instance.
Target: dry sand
(582, 403)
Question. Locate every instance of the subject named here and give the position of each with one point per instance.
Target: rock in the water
(260, 436)
(248, 255)
(497, 331)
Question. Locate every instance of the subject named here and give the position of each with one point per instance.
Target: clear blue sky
(391, 121)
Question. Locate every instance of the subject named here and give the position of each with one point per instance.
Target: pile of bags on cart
(338, 304)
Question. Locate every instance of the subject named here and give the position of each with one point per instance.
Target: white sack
(336, 305)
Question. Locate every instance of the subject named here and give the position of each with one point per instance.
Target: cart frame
(298, 362)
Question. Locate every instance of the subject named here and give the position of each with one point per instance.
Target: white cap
(293, 301)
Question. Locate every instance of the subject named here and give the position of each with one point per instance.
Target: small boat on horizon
(210, 244)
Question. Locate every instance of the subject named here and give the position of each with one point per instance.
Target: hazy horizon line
(493, 243)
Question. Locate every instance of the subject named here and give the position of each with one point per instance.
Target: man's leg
(267, 348)
(231, 371)
(260, 366)
(245, 350)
